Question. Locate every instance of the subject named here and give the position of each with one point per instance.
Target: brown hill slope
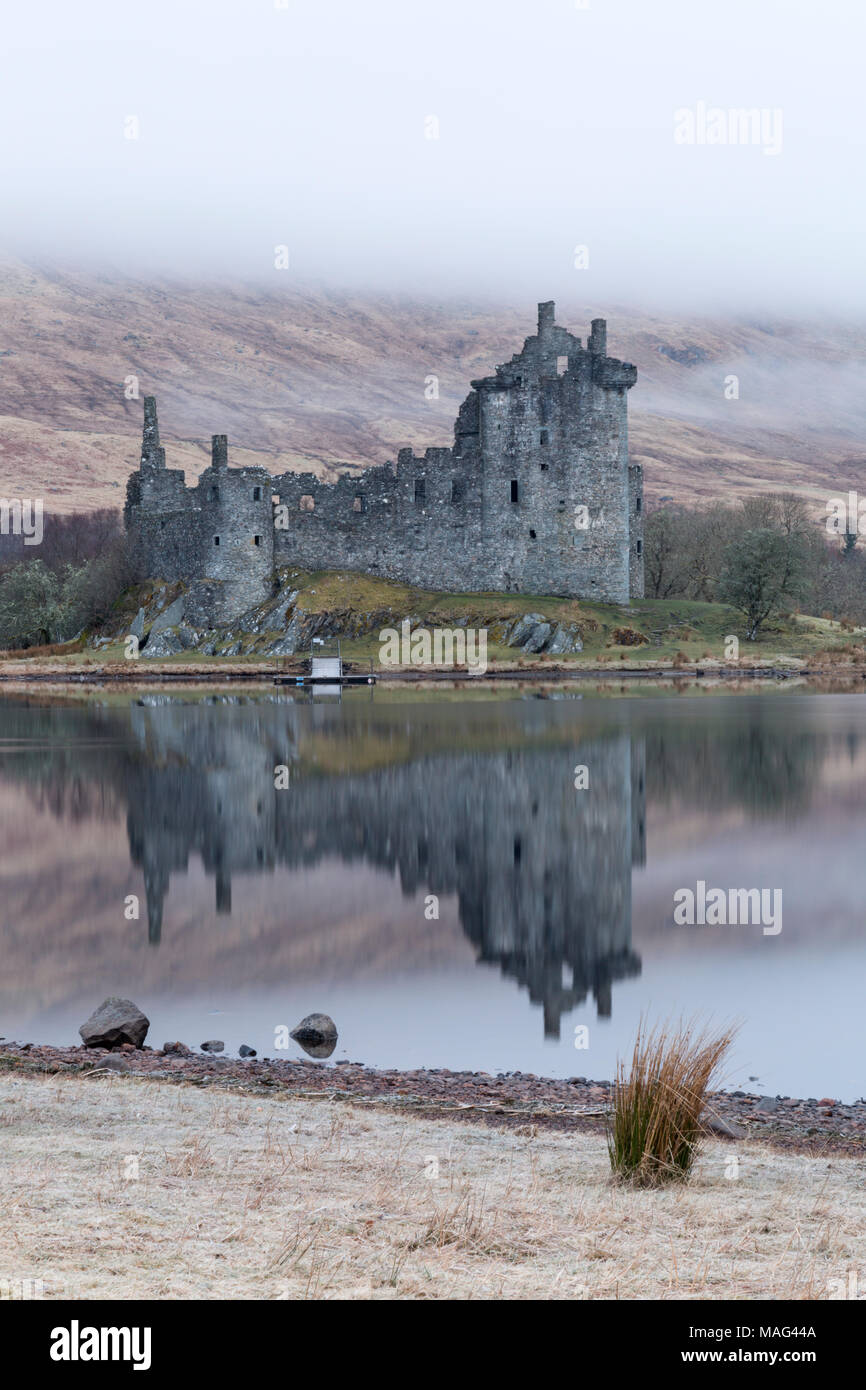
(320, 379)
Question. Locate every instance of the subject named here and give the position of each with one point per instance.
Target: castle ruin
(536, 495)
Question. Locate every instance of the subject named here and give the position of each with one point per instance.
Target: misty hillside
(319, 380)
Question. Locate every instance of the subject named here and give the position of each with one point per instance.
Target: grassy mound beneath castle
(523, 630)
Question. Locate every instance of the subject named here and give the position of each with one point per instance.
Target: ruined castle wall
(163, 522)
(496, 512)
(538, 446)
(601, 475)
(418, 521)
(172, 542)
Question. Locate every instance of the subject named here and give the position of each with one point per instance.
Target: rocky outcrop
(282, 626)
(534, 633)
(565, 639)
(170, 617)
(167, 643)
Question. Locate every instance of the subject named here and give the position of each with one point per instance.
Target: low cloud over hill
(317, 379)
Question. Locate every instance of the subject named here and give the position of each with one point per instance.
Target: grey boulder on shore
(115, 1022)
(317, 1034)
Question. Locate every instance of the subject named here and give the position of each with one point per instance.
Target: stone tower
(237, 538)
(550, 442)
(218, 534)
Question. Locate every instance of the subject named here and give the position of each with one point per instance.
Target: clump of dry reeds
(655, 1124)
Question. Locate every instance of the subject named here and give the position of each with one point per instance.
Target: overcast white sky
(305, 126)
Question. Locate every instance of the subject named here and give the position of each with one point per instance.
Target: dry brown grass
(655, 1125)
(269, 1198)
(37, 653)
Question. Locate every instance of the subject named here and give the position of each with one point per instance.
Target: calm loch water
(429, 873)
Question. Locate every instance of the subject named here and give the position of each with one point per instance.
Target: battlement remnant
(546, 316)
(535, 495)
(219, 450)
(151, 454)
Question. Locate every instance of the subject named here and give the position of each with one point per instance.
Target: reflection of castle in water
(542, 871)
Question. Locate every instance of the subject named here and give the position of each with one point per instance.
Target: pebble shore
(513, 1099)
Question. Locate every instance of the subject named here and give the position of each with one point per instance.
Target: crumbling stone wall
(419, 521)
(535, 495)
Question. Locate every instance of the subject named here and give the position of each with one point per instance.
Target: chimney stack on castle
(219, 451)
(598, 337)
(546, 316)
(150, 450)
